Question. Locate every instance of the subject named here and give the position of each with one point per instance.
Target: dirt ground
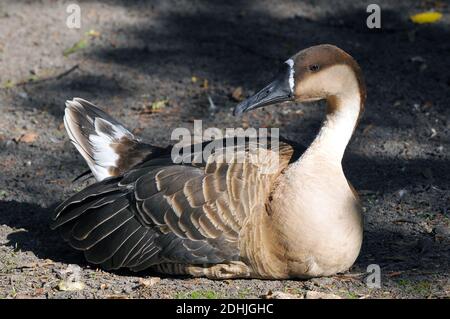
(153, 65)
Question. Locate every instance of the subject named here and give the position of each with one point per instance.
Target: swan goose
(224, 219)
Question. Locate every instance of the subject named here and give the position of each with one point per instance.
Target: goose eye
(314, 67)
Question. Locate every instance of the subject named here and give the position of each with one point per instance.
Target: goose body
(290, 214)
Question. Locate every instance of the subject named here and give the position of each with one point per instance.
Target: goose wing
(162, 212)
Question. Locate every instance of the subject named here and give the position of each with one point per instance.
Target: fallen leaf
(426, 17)
(28, 137)
(157, 105)
(76, 47)
(153, 107)
(426, 227)
(38, 291)
(237, 94)
(8, 84)
(205, 84)
(93, 33)
(281, 295)
(70, 285)
(320, 295)
(148, 282)
(194, 79)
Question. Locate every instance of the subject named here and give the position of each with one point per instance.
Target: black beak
(277, 91)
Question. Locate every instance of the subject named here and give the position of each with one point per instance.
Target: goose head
(316, 73)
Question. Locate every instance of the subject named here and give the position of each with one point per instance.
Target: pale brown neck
(342, 116)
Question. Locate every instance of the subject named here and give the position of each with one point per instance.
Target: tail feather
(107, 146)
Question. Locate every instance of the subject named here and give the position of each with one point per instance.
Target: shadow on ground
(32, 232)
(391, 250)
(233, 45)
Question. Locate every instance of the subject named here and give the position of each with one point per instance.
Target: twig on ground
(57, 77)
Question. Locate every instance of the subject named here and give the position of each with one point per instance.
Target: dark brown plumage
(160, 212)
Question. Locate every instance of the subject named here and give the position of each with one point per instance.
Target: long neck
(337, 129)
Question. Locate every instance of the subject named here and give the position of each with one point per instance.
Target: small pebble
(402, 193)
(23, 95)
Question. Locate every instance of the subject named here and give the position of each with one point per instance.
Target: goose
(224, 219)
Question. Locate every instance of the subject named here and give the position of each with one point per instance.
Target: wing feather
(161, 212)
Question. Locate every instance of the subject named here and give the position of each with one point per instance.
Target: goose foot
(234, 269)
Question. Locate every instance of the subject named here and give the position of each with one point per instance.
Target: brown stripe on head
(313, 76)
